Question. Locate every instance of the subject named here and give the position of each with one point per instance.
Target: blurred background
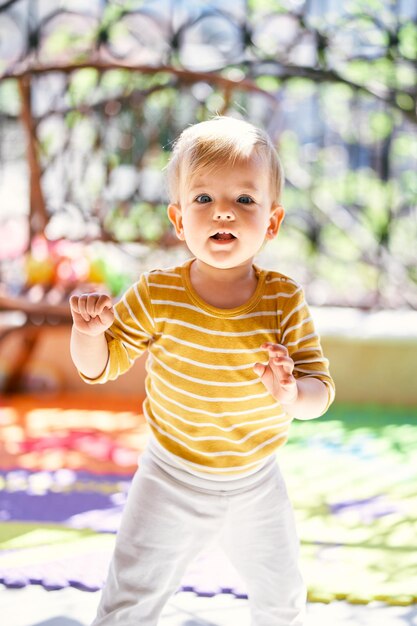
(92, 96)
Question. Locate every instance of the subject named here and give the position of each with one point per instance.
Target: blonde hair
(221, 140)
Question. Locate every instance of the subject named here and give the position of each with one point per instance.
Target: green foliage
(360, 6)
(64, 42)
(404, 145)
(405, 101)
(9, 97)
(72, 118)
(115, 81)
(268, 83)
(267, 6)
(142, 221)
(115, 279)
(381, 125)
(408, 40)
(82, 85)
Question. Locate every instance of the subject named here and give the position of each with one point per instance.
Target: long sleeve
(299, 336)
(130, 334)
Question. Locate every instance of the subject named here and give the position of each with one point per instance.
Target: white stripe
(215, 413)
(143, 306)
(124, 340)
(211, 454)
(301, 340)
(225, 429)
(285, 280)
(291, 328)
(131, 329)
(257, 314)
(297, 308)
(215, 438)
(215, 332)
(310, 372)
(310, 349)
(216, 350)
(310, 361)
(232, 368)
(278, 295)
(185, 305)
(130, 346)
(163, 286)
(330, 389)
(205, 398)
(132, 315)
(201, 381)
(131, 361)
(168, 272)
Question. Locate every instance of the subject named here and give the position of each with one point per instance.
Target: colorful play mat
(66, 463)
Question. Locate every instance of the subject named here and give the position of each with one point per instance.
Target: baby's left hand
(277, 375)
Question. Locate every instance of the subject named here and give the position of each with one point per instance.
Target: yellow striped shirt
(205, 404)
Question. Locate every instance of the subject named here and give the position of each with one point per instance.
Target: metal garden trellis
(201, 50)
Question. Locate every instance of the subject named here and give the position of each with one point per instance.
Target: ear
(275, 220)
(175, 217)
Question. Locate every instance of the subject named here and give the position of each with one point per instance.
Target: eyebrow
(247, 185)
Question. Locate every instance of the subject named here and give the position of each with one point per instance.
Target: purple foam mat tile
(53, 583)
(204, 593)
(47, 497)
(15, 580)
(212, 590)
(208, 575)
(86, 586)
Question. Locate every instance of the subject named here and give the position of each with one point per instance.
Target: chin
(227, 263)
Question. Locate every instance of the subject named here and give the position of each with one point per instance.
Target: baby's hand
(277, 375)
(92, 313)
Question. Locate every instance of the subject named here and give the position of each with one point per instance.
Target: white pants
(166, 524)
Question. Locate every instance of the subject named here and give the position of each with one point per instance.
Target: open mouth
(223, 237)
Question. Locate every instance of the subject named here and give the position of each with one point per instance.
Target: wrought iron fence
(92, 99)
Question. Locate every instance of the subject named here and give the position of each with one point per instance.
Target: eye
(245, 200)
(203, 198)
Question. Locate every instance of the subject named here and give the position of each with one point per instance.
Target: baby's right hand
(92, 313)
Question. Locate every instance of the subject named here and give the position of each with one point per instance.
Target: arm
(303, 398)
(92, 315)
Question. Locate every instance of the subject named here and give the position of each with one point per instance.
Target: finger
(104, 302)
(289, 380)
(107, 316)
(74, 303)
(275, 348)
(95, 303)
(90, 304)
(82, 308)
(285, 363)
(259, 369)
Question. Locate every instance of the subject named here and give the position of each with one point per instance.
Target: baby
(233, 358)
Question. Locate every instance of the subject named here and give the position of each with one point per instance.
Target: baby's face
(225, 214)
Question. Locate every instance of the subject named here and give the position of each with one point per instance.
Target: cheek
(258, 223)
(192, 221)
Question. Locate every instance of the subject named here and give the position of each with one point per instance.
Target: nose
(224, 212)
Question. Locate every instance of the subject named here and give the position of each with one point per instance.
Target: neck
(241, 273)
(225, 289)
